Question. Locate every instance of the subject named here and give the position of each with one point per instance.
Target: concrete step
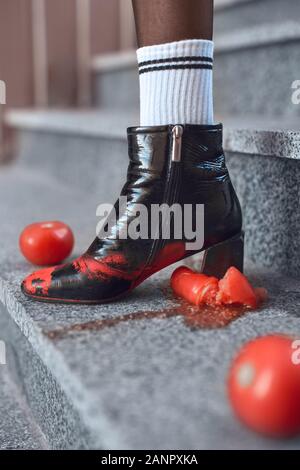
(36, 412)
(18, 428)
(124, 375)
(264, 164)
(75, 148)
(236, 15)
(115, 82)
(80, 149)
(255, 67)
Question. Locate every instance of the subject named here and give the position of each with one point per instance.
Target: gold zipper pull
(177, 132)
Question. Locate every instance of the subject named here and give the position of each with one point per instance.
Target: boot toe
(82, 281)
(38, 283)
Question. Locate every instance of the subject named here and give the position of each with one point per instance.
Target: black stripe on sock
(177, 59)
(176, 67)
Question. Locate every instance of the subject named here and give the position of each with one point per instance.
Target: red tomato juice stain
(207, 317)
(202, 317)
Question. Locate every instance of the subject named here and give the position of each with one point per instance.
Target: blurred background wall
(46, 48)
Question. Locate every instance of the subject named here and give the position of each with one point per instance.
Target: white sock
(176, 83)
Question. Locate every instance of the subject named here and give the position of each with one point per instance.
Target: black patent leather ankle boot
(181, 165)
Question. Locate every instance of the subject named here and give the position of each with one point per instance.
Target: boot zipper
(172, 183)
(175, 167)
(177, 132)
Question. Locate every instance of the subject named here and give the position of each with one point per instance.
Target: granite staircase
(128, 374)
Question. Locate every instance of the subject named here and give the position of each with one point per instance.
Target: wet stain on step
(204, 317)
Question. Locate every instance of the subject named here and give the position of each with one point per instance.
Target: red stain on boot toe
(38, 283)
(113, 265)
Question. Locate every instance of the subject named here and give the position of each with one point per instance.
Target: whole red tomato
(46, 243)
(264, 385)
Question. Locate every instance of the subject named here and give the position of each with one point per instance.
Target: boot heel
(219, 258)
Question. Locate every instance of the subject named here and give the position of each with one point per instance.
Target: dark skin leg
(162, 21)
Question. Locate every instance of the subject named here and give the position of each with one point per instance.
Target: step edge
(283, 143)
(250, 38)
(99, 425)
(36, 431)
(114, 61)
(264, 143)
(221, 5)
(30, 120)
(258, 36)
